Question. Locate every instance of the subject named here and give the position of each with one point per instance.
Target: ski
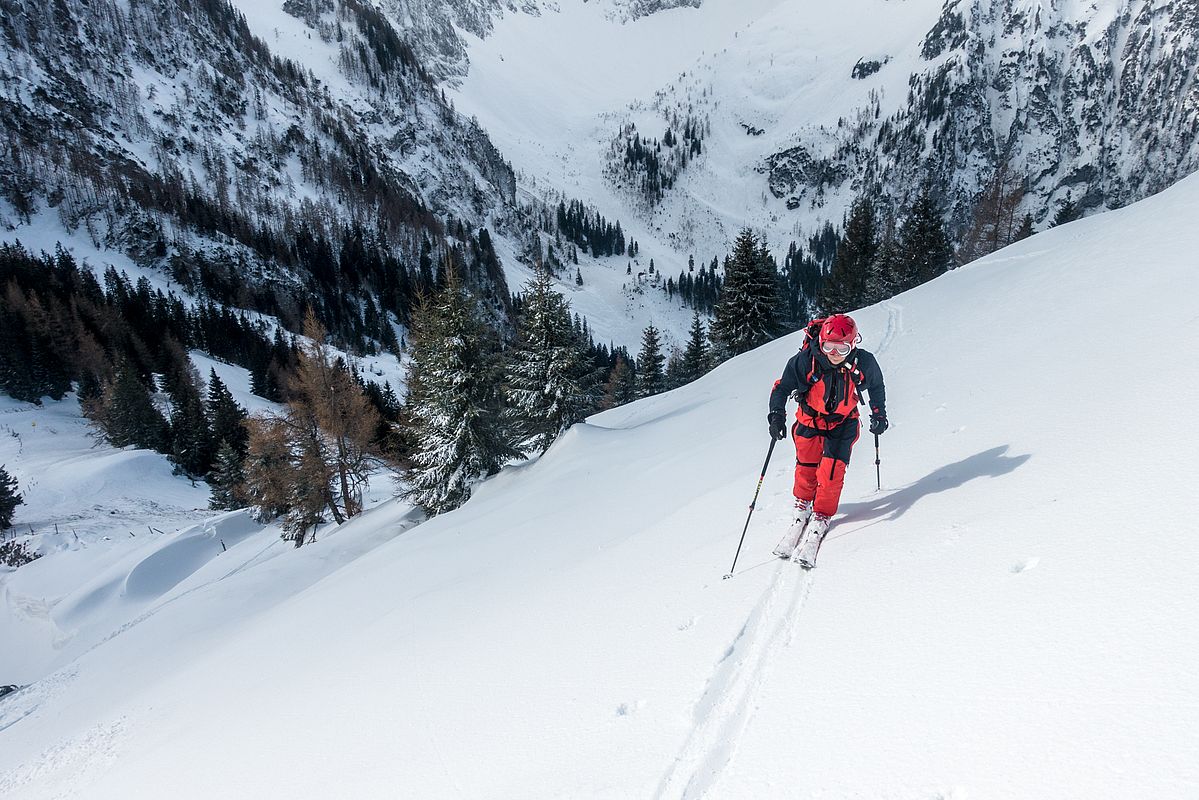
(806, 552)
(790, 540)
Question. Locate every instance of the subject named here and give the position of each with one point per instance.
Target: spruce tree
(226, 419)
(387, 335)
(10, 498)
(695, 357)
(883, 275)
(748, 312)
(545, 370)
(924, 247)
(453, 409)
(847, 284)
(191, 445)
(1068, 211)
(129, 416)
(651, 377)
(1026, 228)
(227, 479)
(91, 395)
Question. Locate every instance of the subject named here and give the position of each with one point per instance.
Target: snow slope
(1013, 615)
(118, 531)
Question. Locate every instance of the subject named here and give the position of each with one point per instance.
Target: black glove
(778, 425)
(878, 422)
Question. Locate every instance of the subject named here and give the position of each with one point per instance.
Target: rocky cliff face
(635, 9)
(429, 25)
(1095, 103)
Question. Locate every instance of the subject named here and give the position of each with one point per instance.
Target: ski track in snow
(727, 705)
(894, 326)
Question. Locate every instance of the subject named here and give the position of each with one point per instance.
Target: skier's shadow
(987, 464)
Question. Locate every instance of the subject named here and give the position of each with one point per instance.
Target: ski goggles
(840, 348)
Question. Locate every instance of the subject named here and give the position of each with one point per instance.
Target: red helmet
(839, 328)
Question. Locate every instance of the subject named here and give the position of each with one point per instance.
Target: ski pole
(877, 469)
(752, 503)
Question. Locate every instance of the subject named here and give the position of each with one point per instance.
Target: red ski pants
(821, 458)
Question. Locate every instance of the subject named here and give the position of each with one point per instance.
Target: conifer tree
(883, 274)
(847, 284)
(91, 395)
(227, 479)
(313, 458)
(191, 445)
(453, 409)
(10, 498)
(546, 368)
(1026, 228)
(794, 306)
(1068, 211)
(387, 335)
(226, 419)
(31, 366)
(129, 416)
(695, 357)
(924, 247)
(651, 377)
(748, 312)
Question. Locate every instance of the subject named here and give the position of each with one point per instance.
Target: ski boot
(809, 546)
(790, 540)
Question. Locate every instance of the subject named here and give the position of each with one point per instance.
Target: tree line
(475, 399)
(124, 348)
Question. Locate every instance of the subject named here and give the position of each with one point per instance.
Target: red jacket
(827, 394)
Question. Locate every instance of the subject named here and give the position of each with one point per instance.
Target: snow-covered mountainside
(270, 155)
(266, 138)
(801, 105)
(1012, 615)
(1094, 103)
